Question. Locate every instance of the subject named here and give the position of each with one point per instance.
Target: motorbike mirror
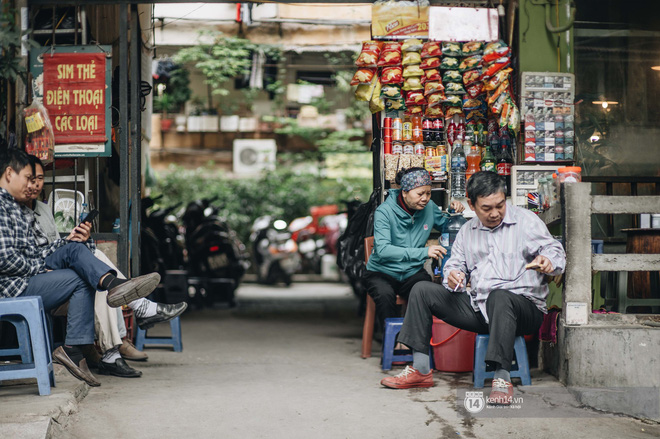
(279, 225)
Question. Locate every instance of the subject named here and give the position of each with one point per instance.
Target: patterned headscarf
(415, 179)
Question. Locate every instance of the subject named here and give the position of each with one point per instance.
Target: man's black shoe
(164, 313)
(118, 369)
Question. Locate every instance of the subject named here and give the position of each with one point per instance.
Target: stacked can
(397, 146)
(387, 135)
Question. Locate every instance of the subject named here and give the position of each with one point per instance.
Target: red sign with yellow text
(74, 95)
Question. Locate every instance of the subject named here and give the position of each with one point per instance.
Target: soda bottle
(438, 128)
(473, 161)
(504, 164)
(458, 166)
(488, 161)
(460, 131)
(451, 133)
(427, 130)
(417, 136)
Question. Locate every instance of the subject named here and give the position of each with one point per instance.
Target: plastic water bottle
(458, 167)
(455, 223)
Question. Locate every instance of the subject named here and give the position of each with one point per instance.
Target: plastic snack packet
(391, 75)
(412, 70)
(430, 63)
(363, 76)
(391, 55)
(410, 58)
(368, 57)
(450, 48)
(412, 45)
(433, 87)
(415, 98)
(413, 83)
(472, 48)
(431, 49)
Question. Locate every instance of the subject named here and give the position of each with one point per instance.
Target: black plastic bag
(350, 245)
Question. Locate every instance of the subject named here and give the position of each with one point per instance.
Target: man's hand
(457, 206)
(80, 233)
(437, 252)
(543, 263)
(456, 279)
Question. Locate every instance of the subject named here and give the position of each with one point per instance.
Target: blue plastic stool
(27, 315)
(519, 367)
(175, 340)
(392, 328)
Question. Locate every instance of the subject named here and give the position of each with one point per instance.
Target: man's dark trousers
(384, 289)
(509, 315)
(75, 276)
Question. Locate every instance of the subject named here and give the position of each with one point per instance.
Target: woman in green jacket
(402, 226)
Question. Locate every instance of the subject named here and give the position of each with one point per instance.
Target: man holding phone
(491, 253)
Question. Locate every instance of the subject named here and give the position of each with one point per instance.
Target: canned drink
(396, 133)
(419, 148)
(397, 148)
(430, 151)
(387, 132)
(406, 131)
(408, 148)
(387, 122)
(396, 123)
(387, 144)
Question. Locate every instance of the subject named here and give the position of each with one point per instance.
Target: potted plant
(164, 104)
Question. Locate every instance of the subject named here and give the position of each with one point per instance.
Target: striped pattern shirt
(496, 258)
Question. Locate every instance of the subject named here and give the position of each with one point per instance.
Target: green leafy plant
(165, 104)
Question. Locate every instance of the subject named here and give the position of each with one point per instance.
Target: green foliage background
(283, 193)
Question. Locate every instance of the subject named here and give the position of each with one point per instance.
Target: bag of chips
(469, 63)
(453, 101)
(451, 76)
(412, 45)
(415, 111)
(449, 63)
(474, 115)
(473, 104)
(431, 75)
(454, 88)
(391, 75)
(498, 65)
(493, 46)
(452, 111)
(391, 91)
(431, 49)
(410, 58)
(500, 89)
(363, 76)
(471, 76)
(494, 81)
(430, 63)
(395, 104)
(376, 103)
(514, 119)
(496, 107)
(415, 98)
(391, 55)
(363, 92)
(433, 112)
(472, 48)
(450, 48)
(475, 89)
(40, 138)
(368, 57)
(412, 70)
(433, 87)
(436, 99)
(503, 52)
(413, 83)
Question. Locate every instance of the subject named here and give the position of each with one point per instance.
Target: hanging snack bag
(454, 88)
(377, 103)
(431, 49)
(506, 112)
(451, 76)
(363, 92)
(363, 76)
(433, 112)
(453, 101)
(496, 107)
(494, 81)
(391, 55)
(474, 115)
(412, 70)
(430, 63)
(395, 104)
(431, 75)
(391, 75)
(433, 87)
(415, 98)
(469, 63)
(475, 89)
(452, 111)
(436, 99)
(472, 48)
(500, 90)
(473, 104)
(498, 65)
(493, 46)
(514, 119)
(471, 76)
(415, 111)
(412, 45)
(40, 140)
(449, 63)
(413, 83)
(503, 52)
(391, 91)
(368, 57)
(410, 58)
(450, 48)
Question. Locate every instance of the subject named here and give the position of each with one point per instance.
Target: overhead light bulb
(604, 104)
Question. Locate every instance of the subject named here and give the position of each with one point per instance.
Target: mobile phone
(90, 216)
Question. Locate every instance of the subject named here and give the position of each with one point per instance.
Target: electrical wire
(179, 18)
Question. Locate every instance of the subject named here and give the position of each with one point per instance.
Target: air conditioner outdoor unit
(251, 156)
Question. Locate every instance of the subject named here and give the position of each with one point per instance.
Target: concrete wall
(613, 368)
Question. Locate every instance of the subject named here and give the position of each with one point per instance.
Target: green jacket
(400, 239)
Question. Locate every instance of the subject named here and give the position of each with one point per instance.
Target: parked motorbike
(161, 242)
(217, 259)
(274, 252)
(310, 232)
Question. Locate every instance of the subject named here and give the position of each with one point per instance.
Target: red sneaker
(408, 378)
(501, 393)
